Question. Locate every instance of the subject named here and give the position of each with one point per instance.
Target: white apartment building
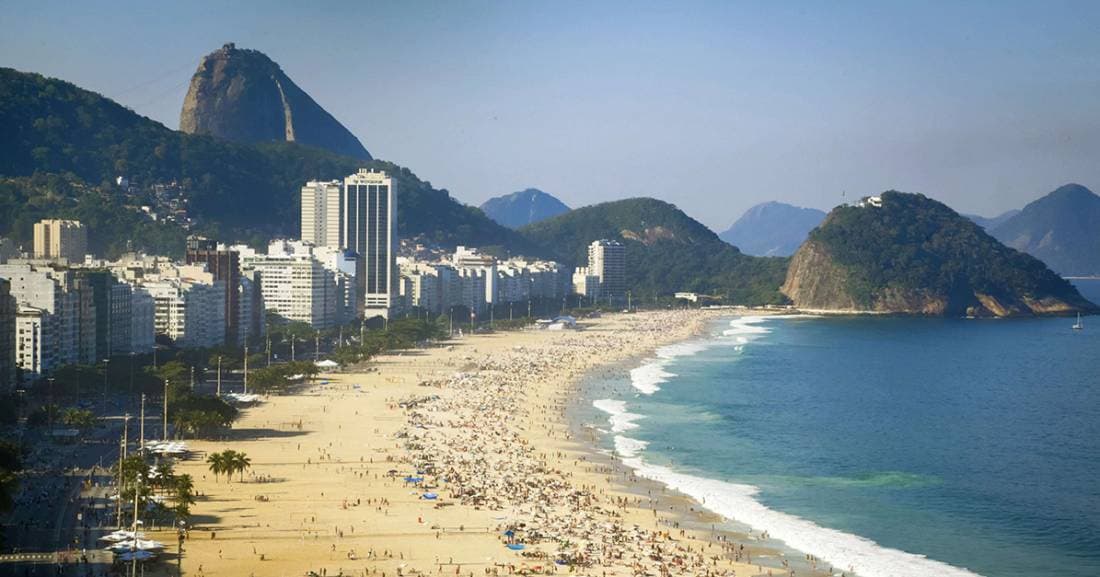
(513, 283)
(189, 311)
(296, 287)
(142, 320)
(586, 284)
(34, 351)
(322, 213)
(69, 322)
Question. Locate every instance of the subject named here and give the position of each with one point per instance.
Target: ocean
(891, 446)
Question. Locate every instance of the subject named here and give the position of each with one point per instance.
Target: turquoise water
(894, 446)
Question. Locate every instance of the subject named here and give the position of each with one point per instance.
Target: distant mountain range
(905, 253)
(666, 251)
(1062, 229)
(772, 229)
(242, 95)
(989, 223)
(523, 208)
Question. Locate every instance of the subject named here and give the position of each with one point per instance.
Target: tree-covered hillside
(236, 191)
(666, 251)
(912, 248)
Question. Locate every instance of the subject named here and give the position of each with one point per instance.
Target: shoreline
(483, 421)
(691, 512)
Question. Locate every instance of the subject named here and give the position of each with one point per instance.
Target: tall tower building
(60, 239)
(607, 260)
(369, 227)
(322, 213)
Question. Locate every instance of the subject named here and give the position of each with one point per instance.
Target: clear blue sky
(712, 106)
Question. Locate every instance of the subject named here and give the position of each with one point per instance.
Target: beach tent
(516, 546)
(429, 496)
(326, 364)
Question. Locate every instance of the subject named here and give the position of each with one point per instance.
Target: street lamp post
(165, 438)
(141, 425)
(246, 363)
(106, 365)
(49, 408)
(179, 554)
(131, 392)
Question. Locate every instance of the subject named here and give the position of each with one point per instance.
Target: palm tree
(183, 487)
(241, 462)
(218, 464)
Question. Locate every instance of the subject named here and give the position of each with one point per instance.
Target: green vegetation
(227, 463)
(69, 144)
(400, 334)
(136, 475)
(200, 415)
(666, 251)
(277, 378)
(82, 419)
(914, 243)
(11, 462)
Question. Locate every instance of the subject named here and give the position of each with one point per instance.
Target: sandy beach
(479, 426)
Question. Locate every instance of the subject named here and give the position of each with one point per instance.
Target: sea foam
(845, 551)
(620, 419)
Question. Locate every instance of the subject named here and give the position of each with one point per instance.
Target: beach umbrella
(516, 546)
(138, 555)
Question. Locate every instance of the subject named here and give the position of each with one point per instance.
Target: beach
(454, 460)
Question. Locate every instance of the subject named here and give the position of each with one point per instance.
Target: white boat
(1078, 326)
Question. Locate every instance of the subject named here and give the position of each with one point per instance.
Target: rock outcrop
(242, 95)
(907, 254)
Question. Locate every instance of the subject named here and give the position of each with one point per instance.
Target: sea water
(891, 446)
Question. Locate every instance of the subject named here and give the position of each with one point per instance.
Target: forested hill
(666, 251)
(234, 191)
(906, 253)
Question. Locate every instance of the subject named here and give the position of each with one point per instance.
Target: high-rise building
(9, 310)
(607, 260)
(322, 213)
(225, 266)
(34, 353)
(142, 320)
(70, 319)
(60, 239)
(189, 311)
(586, 284)
(369, 228)
(296, 288)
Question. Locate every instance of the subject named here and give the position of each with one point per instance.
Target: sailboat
(1078, 326)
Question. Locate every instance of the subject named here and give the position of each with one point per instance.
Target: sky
(713, 106)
